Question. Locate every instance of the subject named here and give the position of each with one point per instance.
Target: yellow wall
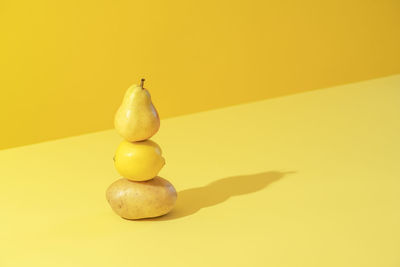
(65, 64)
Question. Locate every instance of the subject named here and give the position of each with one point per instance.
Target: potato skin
(137, 200)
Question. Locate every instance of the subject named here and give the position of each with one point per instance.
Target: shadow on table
(192, 200)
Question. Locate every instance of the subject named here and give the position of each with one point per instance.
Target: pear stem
(142, 83)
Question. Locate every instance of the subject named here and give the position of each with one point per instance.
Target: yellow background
(64, 65)
(293, 181)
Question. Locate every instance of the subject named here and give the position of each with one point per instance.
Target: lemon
(138, 161)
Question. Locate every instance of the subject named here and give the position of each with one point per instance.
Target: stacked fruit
(140, 193)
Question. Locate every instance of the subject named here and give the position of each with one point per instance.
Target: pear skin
(137, 119)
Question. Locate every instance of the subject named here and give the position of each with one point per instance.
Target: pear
(137, 119)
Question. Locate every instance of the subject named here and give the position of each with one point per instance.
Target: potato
(138, 200)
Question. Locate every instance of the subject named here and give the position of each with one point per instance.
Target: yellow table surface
(311, 179)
